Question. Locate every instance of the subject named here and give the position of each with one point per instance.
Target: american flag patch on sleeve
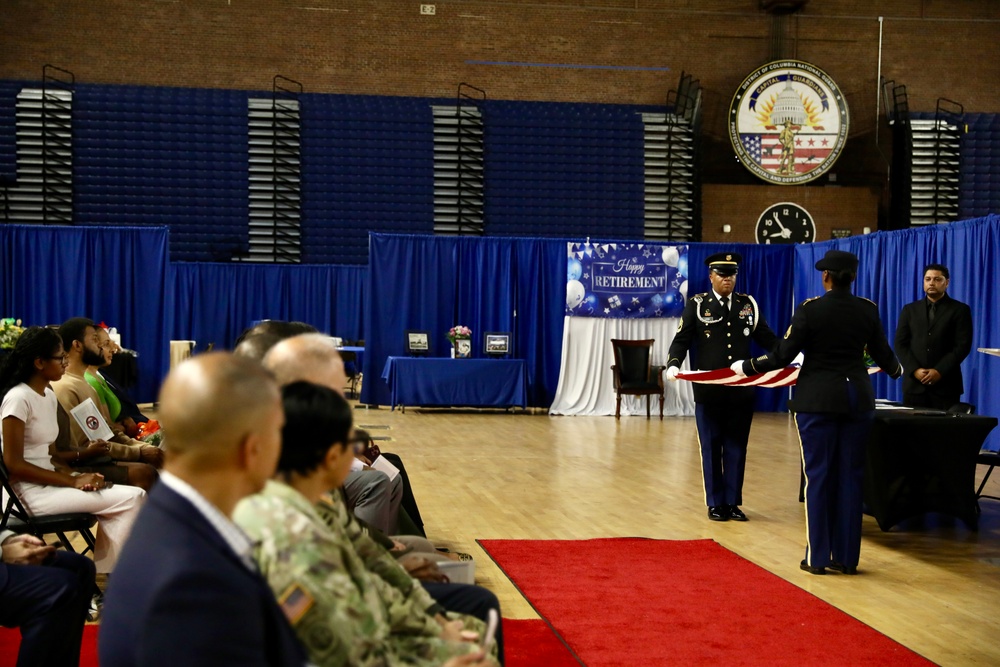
(295, 602)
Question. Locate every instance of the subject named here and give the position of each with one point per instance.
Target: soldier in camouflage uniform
(345, 612)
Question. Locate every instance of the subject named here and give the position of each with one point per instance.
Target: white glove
(672, 372)
(737, 368)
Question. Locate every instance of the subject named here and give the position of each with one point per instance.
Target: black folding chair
(350, 359)
(17, 519)
(986, 457)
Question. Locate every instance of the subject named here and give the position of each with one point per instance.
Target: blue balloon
(574, 269)
(589, 304)
(682, 265)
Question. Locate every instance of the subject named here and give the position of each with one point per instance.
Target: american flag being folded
(782, 377)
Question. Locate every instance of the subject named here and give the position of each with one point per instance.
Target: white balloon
(574, 293)
(684, 289)
(670, 255)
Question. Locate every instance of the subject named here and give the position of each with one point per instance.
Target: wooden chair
(635, 374)
(17, 519)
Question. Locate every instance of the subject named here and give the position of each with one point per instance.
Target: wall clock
(785, 222)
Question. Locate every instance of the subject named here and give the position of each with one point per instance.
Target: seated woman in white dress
(28, 411)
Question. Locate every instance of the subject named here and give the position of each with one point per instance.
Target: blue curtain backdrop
(214, 303)
(49, 274)
(487, 284)
(121, 275)
(891, 274)
(433, 283)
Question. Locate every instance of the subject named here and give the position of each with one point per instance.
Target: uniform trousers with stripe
(833, 456)
(723, 431)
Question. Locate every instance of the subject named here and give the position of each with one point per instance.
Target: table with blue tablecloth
(434, 381)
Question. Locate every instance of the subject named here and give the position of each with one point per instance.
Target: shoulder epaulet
(812, 298)
(698, 298)
(869, 301)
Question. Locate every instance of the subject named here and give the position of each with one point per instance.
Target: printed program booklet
(90, 420)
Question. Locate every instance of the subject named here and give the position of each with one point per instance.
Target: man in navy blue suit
(186, 590)
(46, 593)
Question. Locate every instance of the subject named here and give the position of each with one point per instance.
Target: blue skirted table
(480, 383)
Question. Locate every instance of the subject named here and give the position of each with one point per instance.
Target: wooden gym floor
(930, 584)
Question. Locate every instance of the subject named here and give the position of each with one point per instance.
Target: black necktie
(725, 302)
(930, 313)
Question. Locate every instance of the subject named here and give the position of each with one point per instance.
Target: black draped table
(923, 461)
(489, 383)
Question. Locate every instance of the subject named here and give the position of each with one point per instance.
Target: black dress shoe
(810, 569)
(720, 513)
(736, 514)
(843, 569)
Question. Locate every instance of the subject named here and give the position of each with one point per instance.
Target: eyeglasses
(61, 359)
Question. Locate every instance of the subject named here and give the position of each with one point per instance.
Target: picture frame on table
(418, 343)
(496, 343)
(463, 348)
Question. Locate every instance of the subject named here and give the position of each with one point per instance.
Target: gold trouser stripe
(701, 455)
(805, 490)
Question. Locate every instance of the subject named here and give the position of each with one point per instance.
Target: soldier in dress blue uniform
(834, 407)
(720, 325)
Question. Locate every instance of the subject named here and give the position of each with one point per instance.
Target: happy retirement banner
(626, 280)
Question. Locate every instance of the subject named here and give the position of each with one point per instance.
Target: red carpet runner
(10, 639)
(528, 643)
(633, 601)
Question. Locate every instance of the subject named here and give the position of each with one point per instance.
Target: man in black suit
(834, 407)
(720, 325)
(934, 335)
(186, 590)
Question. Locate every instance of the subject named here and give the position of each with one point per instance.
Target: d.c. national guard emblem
(788, 122)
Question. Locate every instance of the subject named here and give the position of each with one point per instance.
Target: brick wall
(739, 206)
(387, 47)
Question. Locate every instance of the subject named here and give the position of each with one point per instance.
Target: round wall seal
(788, 122)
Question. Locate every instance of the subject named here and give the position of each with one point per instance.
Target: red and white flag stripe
(782, 377)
